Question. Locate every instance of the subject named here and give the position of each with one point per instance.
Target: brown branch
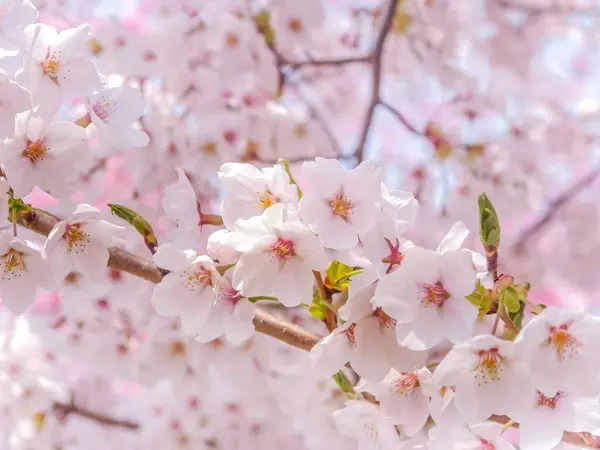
(64, 409)
(127, 262)
(376, 60)
(564, 197)
(398, 115)
(325, 62)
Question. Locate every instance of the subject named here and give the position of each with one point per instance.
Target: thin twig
(398, 115)
(564, 197)
(127, 262)
(549, 9)
(376, 60)
(70, 408)
(325, 62)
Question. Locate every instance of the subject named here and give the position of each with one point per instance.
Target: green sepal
(139, 223)
(489, 223)
(338, 275)
(344, 383)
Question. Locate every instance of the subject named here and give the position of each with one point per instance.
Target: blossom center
(563, 341)
(102, 109)
(406, 383)
(295, 24)
(176, 348)
(490, 365)
(51, 66)
(13, 261)
(35, 150)
(200, 278)
(395, 257)
(230, 296)
(283, 249)
(350, 334)
(75, 237)
(232, 40)
(384, 320)
(548, 402)
(267, 199)
(341, 206)
(434, 294)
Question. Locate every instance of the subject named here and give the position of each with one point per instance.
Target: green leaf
(139, 223)
(338, 276)
(511, 298)
(318, 310)
(343, 382)
(16, 208)
(262, 297)
(489, 223)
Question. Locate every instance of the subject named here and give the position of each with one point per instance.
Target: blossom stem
(496, 320)
(210, 219)
(64, 409)
(330, 316)
(264, 322)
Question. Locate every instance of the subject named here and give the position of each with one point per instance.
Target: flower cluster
(226, 260)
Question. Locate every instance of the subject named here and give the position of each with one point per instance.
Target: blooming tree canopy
(284, 224)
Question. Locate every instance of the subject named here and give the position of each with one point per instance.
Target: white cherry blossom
(57, 64)
(113, 110)
(426, 295)
(22, 270)
(402, 398)
(340, 205)
(188, 291)
(80, 243)
(43, 154)
(278, 256)
(364, 422)
(15, 15)
(560, 347)
(249, 191)
(489, 378)
(367, 340)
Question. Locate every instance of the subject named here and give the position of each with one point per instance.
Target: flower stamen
(341, 206)
(490, 364)
(283, 249)
(434, 294)
(267, 199)
(35, 150)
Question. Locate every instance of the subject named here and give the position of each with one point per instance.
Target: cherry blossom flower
(16, 15)
(80, 243)
(113, 110)
(43, 154)
(543, 420)
(13, 99)
(230, 315)
(278, 255)
(364, 422)
(367, 340)
(340, 205)
(559, 346)
(485, 436)
(426, 296)
(249, 191)
(488, 375)
(23, 269)
(402, 399)
(189, 290)
(57, 65)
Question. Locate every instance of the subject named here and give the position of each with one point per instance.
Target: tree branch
(376, 59)
(325, 62)
(64, 409)
(398, 115)
(552, 8)
(127, 262)
(564, 197)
